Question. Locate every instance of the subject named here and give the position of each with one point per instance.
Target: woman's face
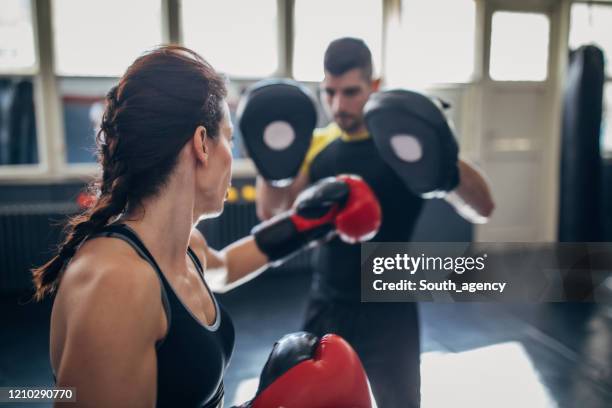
(214, 179)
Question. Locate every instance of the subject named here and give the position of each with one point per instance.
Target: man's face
(346, 96)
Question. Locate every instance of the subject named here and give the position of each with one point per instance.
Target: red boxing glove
(305, 372)
(360, 218)
(345, 205)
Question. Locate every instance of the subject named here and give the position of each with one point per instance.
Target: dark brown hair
(150, 115)
(348, 53)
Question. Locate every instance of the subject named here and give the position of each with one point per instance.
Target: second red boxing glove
(304, 371)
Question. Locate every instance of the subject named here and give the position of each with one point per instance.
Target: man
(385, 335)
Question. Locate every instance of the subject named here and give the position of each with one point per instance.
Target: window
(16, 36)
(101, 38)
(96, 39)
(238, 37)
(318, 22)
(82, 118)
(18, 139)
(592, 24)
(519, 46)
(83, 101)
(433, 47)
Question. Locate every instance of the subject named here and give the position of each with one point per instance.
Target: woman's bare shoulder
(106, 319)
(107, 274)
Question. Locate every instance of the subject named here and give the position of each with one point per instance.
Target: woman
(165, 151)
(133, 321)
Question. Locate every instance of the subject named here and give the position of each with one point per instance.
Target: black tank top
(337, 272)
(193, 357)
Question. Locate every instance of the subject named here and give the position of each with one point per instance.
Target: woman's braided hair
(150, 115)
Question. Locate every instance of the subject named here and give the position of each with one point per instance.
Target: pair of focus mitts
(277, 119)
(304, 371)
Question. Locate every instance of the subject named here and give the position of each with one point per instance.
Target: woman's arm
(472, 198)
(232, 266)
(108, 352)
(344, 205)
(273, 200)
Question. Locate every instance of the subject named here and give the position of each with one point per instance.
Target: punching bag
(580, 201)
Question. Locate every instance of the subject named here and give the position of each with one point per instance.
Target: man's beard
(349, 126)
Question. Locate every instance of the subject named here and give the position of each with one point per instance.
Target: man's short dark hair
(348, 53)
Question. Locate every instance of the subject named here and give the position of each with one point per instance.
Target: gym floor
(474, 354)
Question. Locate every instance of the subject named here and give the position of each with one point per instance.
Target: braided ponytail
(111, 191)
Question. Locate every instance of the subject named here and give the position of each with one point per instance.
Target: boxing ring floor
(474, 354)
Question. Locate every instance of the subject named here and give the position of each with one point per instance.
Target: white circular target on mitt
(407, 147)
(278, 135)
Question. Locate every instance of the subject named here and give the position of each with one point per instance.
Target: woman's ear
(200, 144)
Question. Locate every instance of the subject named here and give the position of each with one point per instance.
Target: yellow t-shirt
(322, 137)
